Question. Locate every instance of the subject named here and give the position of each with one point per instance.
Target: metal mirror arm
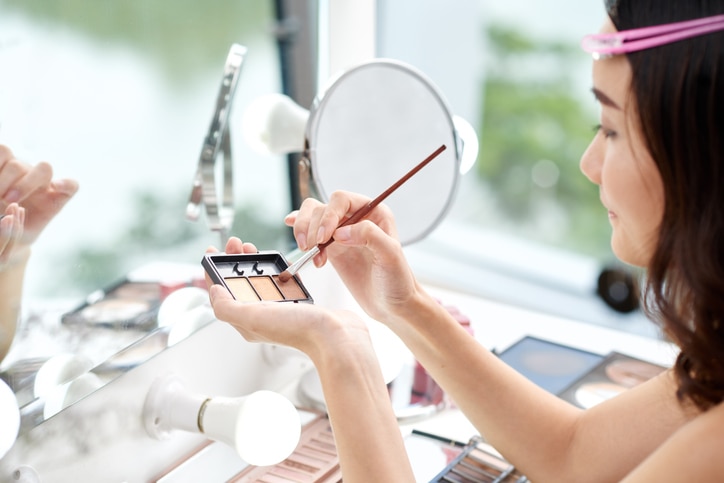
(219, 207)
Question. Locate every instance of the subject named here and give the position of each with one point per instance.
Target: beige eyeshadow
(265, 288)
(241, 289)
(290, 288)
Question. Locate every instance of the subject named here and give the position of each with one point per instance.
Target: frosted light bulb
(69, 393)
(275, 124)
(471, 145)
(10, 417)
(263, 427)
(184, 311)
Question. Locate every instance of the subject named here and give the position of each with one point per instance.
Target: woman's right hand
(29, 199)
(367, 255)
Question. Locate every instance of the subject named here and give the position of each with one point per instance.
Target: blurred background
(119, 95)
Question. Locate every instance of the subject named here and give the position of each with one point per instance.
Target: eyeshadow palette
(254, 277)
(580, 377)
(477, 462)
(126, 305)
(314, 460)
(613, 375)
(550, 365)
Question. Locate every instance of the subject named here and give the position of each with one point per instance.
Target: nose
(592, 160)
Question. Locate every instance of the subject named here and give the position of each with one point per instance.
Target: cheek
(635, 194)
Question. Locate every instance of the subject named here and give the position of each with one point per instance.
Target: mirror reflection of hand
(29, 200)
(307, 327)
(367, 255)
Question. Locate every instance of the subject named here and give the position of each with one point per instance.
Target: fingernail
(302, 241)
(12, 196)
(343, 234)
(321, 235)
(216, 292)
(63, 185)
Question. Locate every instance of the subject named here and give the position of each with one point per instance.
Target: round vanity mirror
(372, 125)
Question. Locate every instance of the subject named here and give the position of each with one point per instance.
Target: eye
(607, 133)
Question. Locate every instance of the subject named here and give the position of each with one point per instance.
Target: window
(119, 95)
(527, 227)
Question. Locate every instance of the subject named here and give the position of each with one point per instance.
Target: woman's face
(619, 163)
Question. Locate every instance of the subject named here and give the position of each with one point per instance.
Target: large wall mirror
(120, 96)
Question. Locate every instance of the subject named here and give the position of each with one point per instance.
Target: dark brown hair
(679, 93)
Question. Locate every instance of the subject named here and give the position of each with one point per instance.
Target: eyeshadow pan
(241, 289)
(290, 288)
(252, 277)
(265, 288)
(453, 478)
(287, 475)
(305, 465)
(472, 470)
(488, 459)
(299, 459)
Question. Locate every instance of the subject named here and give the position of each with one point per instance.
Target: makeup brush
(357, 216)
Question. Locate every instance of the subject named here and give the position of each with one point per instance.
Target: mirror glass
(119, 96)
(372, 125)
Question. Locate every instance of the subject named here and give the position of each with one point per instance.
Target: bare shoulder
(692, 453)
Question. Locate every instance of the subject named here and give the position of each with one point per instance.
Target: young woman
(658, 159)
(29, 199)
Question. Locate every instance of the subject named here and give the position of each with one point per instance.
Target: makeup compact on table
(436, 459)
(580, 377)
(126, 304)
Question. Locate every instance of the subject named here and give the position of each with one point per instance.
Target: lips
(611, 214)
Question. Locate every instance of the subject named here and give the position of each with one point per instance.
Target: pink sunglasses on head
(615, 43)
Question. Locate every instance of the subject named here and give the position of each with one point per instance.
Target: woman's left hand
(312, 329)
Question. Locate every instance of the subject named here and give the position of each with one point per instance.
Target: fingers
(218, 294)
(52, 200)
(291, 218)
(250, 319)
(11, 229)
(19, 180)
(372, 237)
(65, 187)
(234, 245)
(302, 326)
(316, 222)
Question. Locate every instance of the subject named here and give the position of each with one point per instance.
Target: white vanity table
(102, 437)
(497, 326)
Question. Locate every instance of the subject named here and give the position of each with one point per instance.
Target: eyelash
(608, 133)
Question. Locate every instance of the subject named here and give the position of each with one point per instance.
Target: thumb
(67, 187)
(222, 302)
(218, 293)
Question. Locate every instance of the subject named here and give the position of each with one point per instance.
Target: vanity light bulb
(275, 124)
(470, 143)
(263, 427)
(10, 417)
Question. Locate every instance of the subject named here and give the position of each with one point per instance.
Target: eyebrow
(604, 99)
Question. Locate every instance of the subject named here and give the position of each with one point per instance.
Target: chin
(630, 255)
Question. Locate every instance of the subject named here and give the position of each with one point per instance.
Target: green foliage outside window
(535, 129)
